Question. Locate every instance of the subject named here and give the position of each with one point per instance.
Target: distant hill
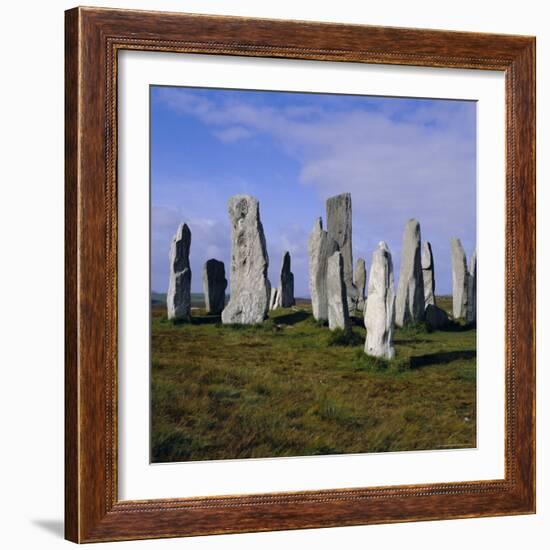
(159, 299)
(197, 299)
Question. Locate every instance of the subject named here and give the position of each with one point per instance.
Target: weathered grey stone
(460, 279)
(214, 284)
(339, 230)
(360, 281)
(436, 317)
(250, 289)
(320, 248)
(409, 305)
(428, 274)
(471, 306)
(273, 298)
(178, 298)
(380, 306)
(338, 313)
(286, 283)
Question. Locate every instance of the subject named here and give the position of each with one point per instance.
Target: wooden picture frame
(93, 511)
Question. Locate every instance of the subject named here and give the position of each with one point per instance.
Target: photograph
(271, 221)
(313, 272)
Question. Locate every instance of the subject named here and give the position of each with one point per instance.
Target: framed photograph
(300, 275)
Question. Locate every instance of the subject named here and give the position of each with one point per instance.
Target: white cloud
(232, 134)
(396, 163)
(210, 238)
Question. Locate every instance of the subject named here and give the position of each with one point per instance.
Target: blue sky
(398, 157)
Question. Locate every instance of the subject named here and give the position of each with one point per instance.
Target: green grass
(291, 387)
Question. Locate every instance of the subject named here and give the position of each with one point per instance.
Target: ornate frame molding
(93, 38)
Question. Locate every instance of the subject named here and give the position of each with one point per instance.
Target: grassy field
(290, 387)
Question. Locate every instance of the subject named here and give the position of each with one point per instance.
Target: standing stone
(320, 248)
(250, 289)
(436, 317)
(471, 307)
(360, 281)
(286, 283)
(214, 284)
(460, 279)
(339, 230)
(273, 298)
(409, 306)
(178, 298)
(380, 307)
(338, 313)
(428, 274)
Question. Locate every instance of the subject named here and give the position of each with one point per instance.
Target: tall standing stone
(471, 307)
(460, 279)
(380, 307)
(214, 284)
(178, 298)
(273, 298)
(286, 283)
(339, 230)
(338, 313)
(428, 274)
(360, 281)
(320, 248)
(409, 304)
(250, 289)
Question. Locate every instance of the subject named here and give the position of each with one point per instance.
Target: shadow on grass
(357, 321)
(291, 318)
(453, 326)
(339, 337)
(206, 319)
(441, 357)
